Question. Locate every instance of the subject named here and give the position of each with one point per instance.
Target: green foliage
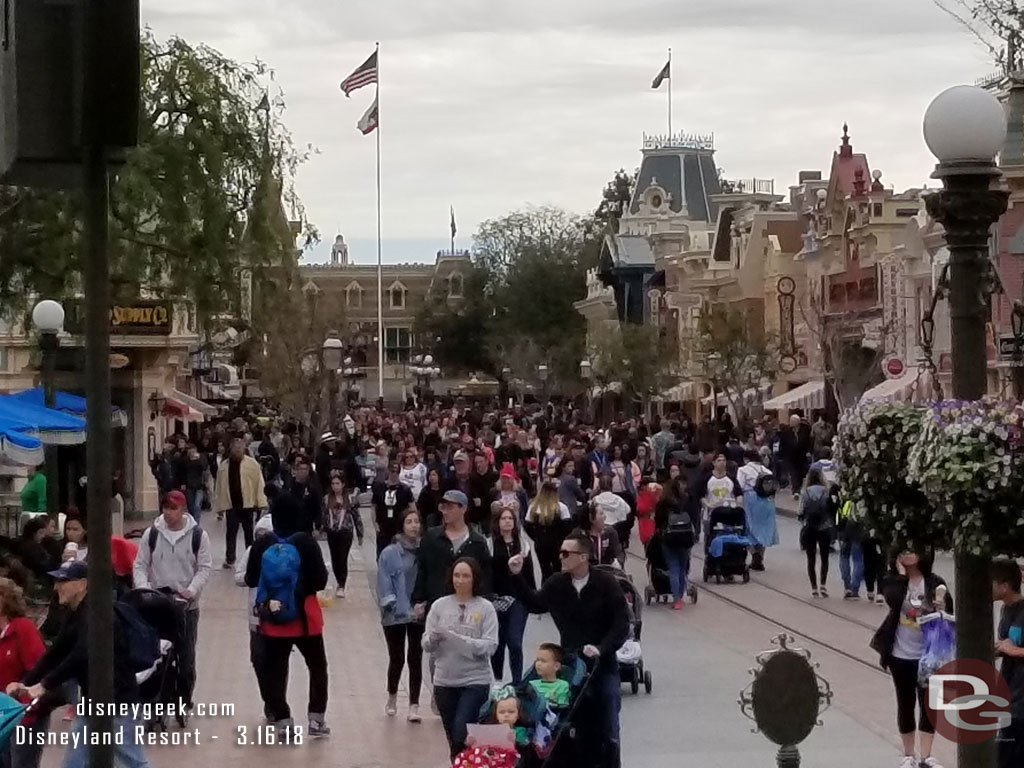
(208, 162)
(456, 330)
(615, 199)
(634, 355)
(736, 353)
(873, 445)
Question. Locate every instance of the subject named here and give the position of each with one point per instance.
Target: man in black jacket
(306, 488)
(442, 546)
(390, 499)
(68, 660)
(589, 609)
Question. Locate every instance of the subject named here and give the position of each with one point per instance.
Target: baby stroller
(658, 588)
(165, 613)
(630, 655)
(728, 556)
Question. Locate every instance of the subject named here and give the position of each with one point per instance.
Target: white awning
(806, 397)
(750, 396)
(680, 393)
(204, 409)
(900, 389)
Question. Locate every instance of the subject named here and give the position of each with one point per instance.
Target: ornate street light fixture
(48, 318)
(965, 127)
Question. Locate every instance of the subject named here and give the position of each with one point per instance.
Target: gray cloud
(491, 105)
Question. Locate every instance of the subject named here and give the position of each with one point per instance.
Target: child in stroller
(726, 545)
(630, 656)
(165, 613)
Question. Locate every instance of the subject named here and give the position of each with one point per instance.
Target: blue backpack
(280, 569)
(142, 640)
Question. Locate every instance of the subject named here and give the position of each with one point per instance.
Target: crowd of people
(480, 519)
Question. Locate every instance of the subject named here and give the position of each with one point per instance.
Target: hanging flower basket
(969, 463)
(873, 444)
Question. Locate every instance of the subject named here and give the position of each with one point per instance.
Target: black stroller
(161, 684)
(659, 588)
(727, 558)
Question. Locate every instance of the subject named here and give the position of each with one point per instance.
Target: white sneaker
(880, 599)
(930, 762)
(414, 714)
(909, 761)
(391, 708)
(339, 592)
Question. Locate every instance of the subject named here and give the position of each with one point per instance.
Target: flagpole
(451, 211)
(670, 93)
(380, 268)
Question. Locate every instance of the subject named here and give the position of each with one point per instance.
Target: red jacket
(21, 646)
(646, 500)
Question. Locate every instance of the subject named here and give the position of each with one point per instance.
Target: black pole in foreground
(967, 208)
(95, 265)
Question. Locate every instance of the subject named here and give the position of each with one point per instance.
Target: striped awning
(806, 397)
(900, 389)
(682, 392)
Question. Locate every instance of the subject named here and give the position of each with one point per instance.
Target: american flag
(366, 74)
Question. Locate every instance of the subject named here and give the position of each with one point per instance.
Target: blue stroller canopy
(11, 712)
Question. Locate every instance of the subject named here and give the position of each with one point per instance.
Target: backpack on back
(816, 513)
(142, 640)
(765, 486)
(277, 599)
(197, 540)
(679, 533)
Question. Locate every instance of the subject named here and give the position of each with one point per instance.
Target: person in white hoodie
(173, 557)
(616, 509)
(264, 527)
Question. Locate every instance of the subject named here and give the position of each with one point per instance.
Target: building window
(455, 285)
(397, 345)
(3, 358)
(354, 296)
(396, 295)
(878, 211)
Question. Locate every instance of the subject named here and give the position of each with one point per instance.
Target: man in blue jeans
(851, 551)
(68, 660)
(590, 612)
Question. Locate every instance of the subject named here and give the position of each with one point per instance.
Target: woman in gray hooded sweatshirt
(403, 630)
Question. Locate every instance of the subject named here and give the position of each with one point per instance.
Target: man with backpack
(174, 556)
(136, 647)
(287, 570)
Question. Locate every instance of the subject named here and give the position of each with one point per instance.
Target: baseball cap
(461, 456)
(71, 570)
(456, 497)
(174, 499)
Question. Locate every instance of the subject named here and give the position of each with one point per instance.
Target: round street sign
(894, 367)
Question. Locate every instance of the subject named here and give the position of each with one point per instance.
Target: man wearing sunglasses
(589, 610)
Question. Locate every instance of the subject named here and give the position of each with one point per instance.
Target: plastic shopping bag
(939, 645)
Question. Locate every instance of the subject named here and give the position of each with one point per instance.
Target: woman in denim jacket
(403, 630)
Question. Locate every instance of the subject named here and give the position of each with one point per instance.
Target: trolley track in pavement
(786, 627)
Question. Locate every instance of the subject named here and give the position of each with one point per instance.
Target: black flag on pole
(666, 73)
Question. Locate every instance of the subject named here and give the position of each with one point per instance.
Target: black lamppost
(586, 373)
(48, 318)
(332, 350)
(423, 369)
(543, 372)
(965, 127)
(352, 376)
(1017, 322)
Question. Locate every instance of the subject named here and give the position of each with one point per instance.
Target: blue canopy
(52, 427)
(67, 402)
(18, 446)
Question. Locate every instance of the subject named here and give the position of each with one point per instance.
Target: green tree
(457, 330)
(189, 208)
(736, 355)
(997, 24)
(615, 199)
(635, 356)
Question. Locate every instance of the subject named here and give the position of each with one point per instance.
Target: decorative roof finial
(846, 150)
(846, 134)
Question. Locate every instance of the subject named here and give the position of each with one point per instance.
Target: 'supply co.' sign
(141, 317)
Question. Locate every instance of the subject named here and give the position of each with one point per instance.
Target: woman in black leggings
(343, 524)
(909, 593)
(818, 528)
(403, 630)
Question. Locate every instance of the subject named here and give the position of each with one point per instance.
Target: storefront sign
(141, 318)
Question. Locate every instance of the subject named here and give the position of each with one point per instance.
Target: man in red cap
(174, 555)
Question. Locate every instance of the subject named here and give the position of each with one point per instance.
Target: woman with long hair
(547, 521)
(461, 635)
(678, 532)
(21, 646)
(430, 499)
(403, 632)
(605, 547)
(910, 592)
(817, 529)
(507, 540)
(343, 523)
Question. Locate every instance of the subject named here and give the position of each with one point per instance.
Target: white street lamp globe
(428, 359)
(436, 372)
(332, 352)
(48, 316)
(965, 124)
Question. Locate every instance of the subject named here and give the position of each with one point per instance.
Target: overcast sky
(492, 105)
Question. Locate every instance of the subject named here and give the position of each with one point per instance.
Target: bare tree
(997, 24)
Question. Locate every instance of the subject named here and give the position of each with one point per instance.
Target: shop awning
(806, 397)
(896, 390)
(50, 426)
(682, 392)
(69, 403)
(182, 406)
(18, 447)
(750, 396)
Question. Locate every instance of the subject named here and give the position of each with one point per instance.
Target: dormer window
(455, 285)
(396, 295)
(354, 295)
